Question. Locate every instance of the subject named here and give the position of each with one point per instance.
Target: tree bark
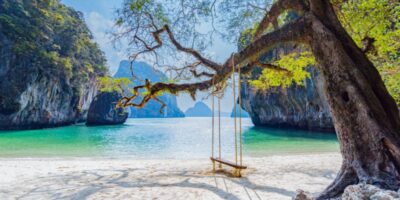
(365, 116)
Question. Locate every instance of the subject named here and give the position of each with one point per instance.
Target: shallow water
(178, 138)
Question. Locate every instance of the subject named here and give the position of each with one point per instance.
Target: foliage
(195, 24)
(108, 84)
(240, 15)
(391, 76)
(295, 63)
(52, 37)
(377, 19)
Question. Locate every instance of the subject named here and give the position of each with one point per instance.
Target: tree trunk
(365, 116)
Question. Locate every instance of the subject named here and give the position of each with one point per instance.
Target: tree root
(346, 177)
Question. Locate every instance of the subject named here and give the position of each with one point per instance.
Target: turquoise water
(178, 138)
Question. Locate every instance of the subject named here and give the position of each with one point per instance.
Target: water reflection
(259, 141)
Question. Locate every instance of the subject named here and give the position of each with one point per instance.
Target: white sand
(275, 177)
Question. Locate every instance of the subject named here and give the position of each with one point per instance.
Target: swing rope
(213, 125)
(219, 127)
(240, 115)
(234, 108)
(218, 91)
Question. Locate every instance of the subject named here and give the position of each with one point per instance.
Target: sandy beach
(272, 177)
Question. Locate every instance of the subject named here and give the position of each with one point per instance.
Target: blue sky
(99, 16)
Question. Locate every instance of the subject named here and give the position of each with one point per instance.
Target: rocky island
(103, 110)
(200, 109)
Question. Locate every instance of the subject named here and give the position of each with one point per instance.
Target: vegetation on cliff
(49, 63)
(49, 33)
(109, 84)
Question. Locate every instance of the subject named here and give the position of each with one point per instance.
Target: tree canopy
(373, 25)
(376, 22)
(193, 25)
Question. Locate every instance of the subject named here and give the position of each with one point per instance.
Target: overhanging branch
(276, 10)
(295, 31)
(247, 58)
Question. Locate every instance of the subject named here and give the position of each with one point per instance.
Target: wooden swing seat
(237, 168)
(225, 162)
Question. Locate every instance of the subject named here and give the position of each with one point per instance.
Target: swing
(218, 92)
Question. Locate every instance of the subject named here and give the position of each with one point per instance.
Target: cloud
(100, 27)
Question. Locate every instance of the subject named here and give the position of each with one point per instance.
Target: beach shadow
(117, 178)
(83, 184)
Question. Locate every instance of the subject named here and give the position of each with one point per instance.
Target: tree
(376, 21)
(365, 116)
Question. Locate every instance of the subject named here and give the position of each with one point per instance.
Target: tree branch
(156, 35)
(368, 43)
(201, 74)
(193, 52)
(276, 10)
(295, 31)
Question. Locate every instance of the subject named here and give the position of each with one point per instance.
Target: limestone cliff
(48, 65)
(302, 107)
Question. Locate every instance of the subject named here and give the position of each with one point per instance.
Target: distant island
(243, 113)
(200, 109)
(144, 71)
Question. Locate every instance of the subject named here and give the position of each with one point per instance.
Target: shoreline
(101, 157)
(269, 177)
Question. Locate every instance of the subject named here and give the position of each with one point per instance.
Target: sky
(99, 16)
